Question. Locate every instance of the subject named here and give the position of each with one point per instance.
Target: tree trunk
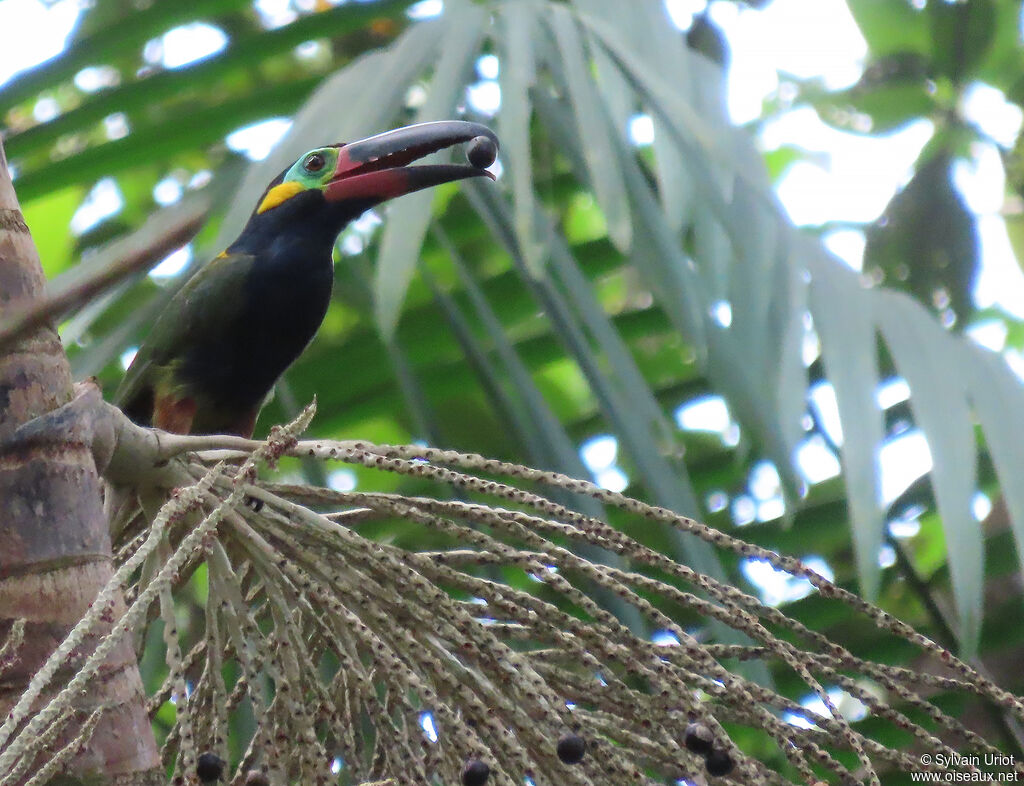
(55, 554)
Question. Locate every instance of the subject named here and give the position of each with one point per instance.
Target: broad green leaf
(790, 372)
(1002, 63)
(668, 54)
(656, 39)
(75, 329)
(418, 408)
(155, 142)
(1015, 233)
(128, 35)
(517, 76)
(998, 400)
(891, 26)
(244, 53)
(622, 372)
(921, 350)
(545, 434)
(681, 292)
(408, 218)
(752, 267)
(667, 484)
(96, 355)
(713, 252)
(49, 217)
(373, 97)
(726, 358)
(176, 222)
(841, 310)
(711, 152)
(619, 96)
(892, 91)
(593, 132)
(675, 183)
(691, 132)
(372, 89)
(519, 425)
(669, 274)
(961, 35)
(926, 242)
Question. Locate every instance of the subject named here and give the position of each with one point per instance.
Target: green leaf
(893, 90)
(372, 89)
(655, 38)
(126, 36)
(615, 89)
(675, 182)
(156, 142)
(841, 310)
(170, 222)
(551, 443)
(1002, 62)
(1015, 232)
(518, 20)
(241, 54)
(791, 380)
(998, 399)
(543, 431)
(622, 373)
(595, 137)
(705, 38)
(102, 351)
(890, 26)
(49, 218)
(961, 35)
(926, 242)
(670, 276)
(519, 425)
(707, 144)
(408, 218)
(921, 351)
(755, 255)
(669, 485)
(423, 419)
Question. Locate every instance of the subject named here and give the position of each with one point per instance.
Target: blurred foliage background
(642, 312)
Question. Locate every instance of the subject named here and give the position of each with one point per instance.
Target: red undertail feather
(174, 414)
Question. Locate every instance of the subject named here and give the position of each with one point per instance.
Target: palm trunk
(54, 547)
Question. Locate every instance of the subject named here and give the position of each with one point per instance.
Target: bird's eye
(314, 162)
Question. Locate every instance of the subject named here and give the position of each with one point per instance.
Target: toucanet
(229, 333)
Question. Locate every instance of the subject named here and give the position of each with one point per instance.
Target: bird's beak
(376, 168)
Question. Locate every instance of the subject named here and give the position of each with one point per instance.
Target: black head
(330, 186)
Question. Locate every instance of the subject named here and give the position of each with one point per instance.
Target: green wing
(196, 311)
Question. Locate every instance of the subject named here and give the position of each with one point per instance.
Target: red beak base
(377, 168)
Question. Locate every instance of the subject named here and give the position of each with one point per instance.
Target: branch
(56, 555)
(159, 236)
(294, 586)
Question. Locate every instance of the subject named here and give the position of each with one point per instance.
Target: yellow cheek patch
(279, 194)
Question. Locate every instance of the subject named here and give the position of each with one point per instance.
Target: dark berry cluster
(209, 767)
(571, 748)
(481, 152)
(700, 740)
(475, 773)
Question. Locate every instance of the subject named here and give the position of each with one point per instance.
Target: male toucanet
(225, 338)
